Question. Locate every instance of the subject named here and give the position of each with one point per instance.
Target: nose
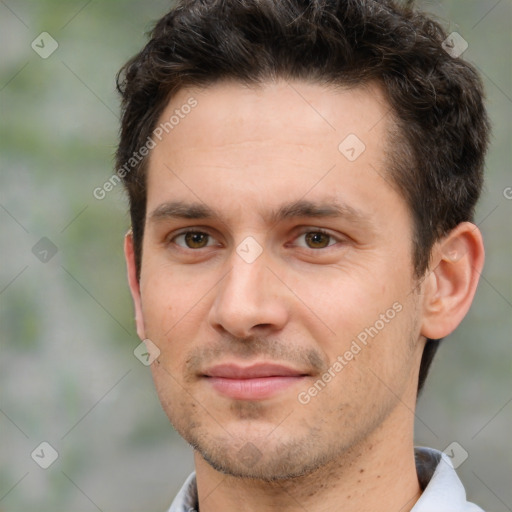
(251, 300)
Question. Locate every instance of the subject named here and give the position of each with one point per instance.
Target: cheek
(167, 293)
(366, 379)
(388, 350)
(344, 300)
(166, 301)
(371, 324)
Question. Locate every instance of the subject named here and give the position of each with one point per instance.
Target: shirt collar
(186, 500)
(444, 491)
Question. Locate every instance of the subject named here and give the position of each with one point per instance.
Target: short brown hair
(436, 99)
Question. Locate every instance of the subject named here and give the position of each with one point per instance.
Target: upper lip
(254, 371)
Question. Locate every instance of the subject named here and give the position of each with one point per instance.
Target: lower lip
(252, 389)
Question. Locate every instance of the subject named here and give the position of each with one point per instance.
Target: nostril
(262, 326)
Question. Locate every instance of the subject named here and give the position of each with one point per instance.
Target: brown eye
(196, 240)
(192, 240)
(317, 239)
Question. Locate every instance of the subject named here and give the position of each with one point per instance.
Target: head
(265, 115)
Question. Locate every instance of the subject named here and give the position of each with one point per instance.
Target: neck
(379, 474)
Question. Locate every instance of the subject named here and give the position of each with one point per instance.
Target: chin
(261, 459)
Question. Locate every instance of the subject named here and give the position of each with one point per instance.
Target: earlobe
(133, 282)
(456, 264)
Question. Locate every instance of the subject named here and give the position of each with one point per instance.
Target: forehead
(225, 111)
(259, 145)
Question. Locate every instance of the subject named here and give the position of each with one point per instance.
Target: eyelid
(204, 230)
(312, 229)
(191, 229)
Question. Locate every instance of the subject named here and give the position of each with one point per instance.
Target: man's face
(276, 291)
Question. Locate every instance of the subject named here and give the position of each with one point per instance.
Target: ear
(129, 254)
(456, 264)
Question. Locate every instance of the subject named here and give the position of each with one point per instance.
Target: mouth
(255, 382)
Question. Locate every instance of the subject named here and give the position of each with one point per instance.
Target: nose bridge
(245, 280)
(246, 285)
(247, 277)
(248, 296)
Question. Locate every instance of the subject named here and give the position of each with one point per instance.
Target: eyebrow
(294, 209)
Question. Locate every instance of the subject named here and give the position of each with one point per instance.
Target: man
(302, 179)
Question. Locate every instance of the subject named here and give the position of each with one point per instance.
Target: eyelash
(305, 232)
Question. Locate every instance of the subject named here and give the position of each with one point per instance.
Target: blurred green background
(68, 375)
